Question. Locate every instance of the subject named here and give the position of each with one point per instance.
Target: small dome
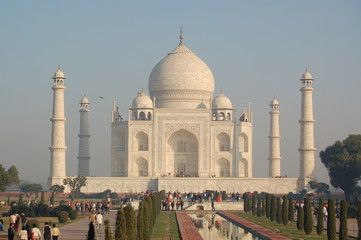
(59, 74)
(306, 75)
(84, 100)
(274, 102)
(142, 101)
(221, 101)
(202, 105)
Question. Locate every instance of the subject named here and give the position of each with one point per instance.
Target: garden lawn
(165, 227)
(289, 230)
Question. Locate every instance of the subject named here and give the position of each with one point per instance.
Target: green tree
(320, 188)
(273, 208)
(359, 219)
(56, 188)
(4, 179)
(343, 162)
(30, 188)
(52, 198)
(284, 210)
(268, 205)
(42, 199)
(14, 175)
(131, 232)
(75, 185)
(291, 210)
(140, 221)
(245, 202)
(308, 225)
(343, 221)
(279, 211)
(147, 230)
(21, 200)
(331, 220)
(300, 218)
(108, 232)
(259, 206)
(120, 226)
(263, 208)
(148, 200)
(254, 201)
(154, 206)
(320, 217)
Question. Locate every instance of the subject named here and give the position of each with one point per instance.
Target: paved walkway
(186, 228)
(79, 229)
(252, 227)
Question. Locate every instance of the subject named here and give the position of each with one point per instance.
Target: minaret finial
(181, 35)
(306, 68)
(221, 91)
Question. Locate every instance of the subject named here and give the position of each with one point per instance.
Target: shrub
(320, 216)
(300, 218)
(263, 207)
(131, 223)
(343, 221)
(73, 214)
(284, 210)
(331, 220)
(1, 210)
(120, 226)
(279, 211)
(63, 217)
(140, 221)
(308, 225)
(268, 205)
(291, 210)
(55, 212)
(147, 227)
(42, 198)
(108, 232)
(273, 208)
(41, 210)
(254, 202)
(33, 221)
(258, 206)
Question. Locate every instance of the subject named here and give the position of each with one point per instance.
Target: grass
(165, 227)
(289, 231)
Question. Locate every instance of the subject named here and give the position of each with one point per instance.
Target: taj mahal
(182, 136)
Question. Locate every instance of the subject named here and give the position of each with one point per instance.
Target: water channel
(214, 227)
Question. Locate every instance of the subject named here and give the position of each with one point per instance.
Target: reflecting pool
(214, 227)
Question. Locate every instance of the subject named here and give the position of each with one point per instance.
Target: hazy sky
(256, 50)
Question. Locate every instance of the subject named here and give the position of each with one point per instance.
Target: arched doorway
(223, 166)
(182, 153)
(141, 167)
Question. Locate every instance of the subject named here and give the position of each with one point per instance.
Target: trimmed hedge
(63, 217)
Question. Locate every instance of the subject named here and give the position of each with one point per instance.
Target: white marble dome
(274, 102)
(221, 101)
(181, 80)
(142, 101)
(306, 75)
(59, 74)
(84, 100)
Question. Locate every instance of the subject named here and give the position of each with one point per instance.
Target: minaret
(83, 157)
(307, 148)
(58, 148)
(274, 141)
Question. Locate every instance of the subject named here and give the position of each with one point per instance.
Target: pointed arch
(243, 143)
(141, 116)
(141, 142)
(149, 116)
(224, 142)
(141, 167)
(223, 167)
(243, 168)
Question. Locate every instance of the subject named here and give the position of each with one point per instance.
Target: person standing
(47, 231)
(24, 219)
(56, 232)
(11, 232)
(36, 232)
(99, 218)
(23, 234)
(212, 203)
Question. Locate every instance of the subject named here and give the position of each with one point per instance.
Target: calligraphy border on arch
(170, 128)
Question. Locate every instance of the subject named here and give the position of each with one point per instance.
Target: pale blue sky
(256, 50)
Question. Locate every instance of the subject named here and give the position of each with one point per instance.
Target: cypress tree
(320, 217)
(140, 221)
(91, 232)
(108, 232)
(279, 211)
(263, 210)
(343, 221)
(148, 200)
(254, 202)
(308, 225)
(331, 220)
(20, 198)
(245, 202)
(154, 206)
(131, 232)
(249, 205)
(258, 206)
(291, 210)
(273, 208)
(147, 226)
(284, 210)
(42, 198)
(300, 218)
(359, 219)
(268, 205)
(120, 226)
(52, 199)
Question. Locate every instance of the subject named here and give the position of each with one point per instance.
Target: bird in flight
(101, 97)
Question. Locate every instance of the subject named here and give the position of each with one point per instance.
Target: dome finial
(221, 91)
(306, 68)
(181, 35)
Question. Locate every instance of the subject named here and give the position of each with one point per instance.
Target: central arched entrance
(182, 154)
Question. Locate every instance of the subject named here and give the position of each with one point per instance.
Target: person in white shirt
(36, 232)
(99, 218)
(23, 234)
